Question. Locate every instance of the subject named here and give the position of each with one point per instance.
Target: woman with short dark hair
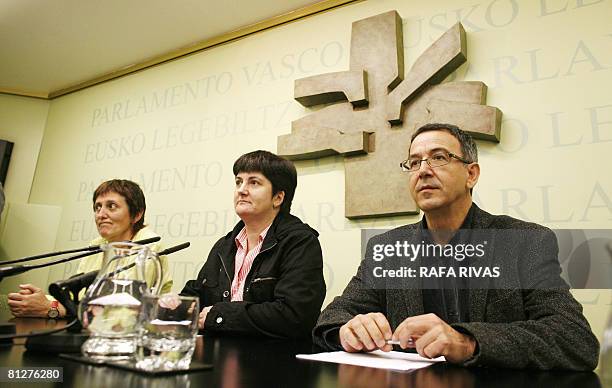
(265, 277)
(119, 209)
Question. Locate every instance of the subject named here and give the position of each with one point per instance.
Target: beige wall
(177, 128)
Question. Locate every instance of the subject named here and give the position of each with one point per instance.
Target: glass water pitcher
(112, 304)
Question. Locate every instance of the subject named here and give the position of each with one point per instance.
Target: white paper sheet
(159, 322)
(376, 359)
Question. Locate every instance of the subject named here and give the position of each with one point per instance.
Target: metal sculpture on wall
(375, 109)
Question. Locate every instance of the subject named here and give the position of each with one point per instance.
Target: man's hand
(30, 301)
(433, 338)
(366, 332)
(202, 317)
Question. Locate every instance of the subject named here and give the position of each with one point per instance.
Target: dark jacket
(515, 328)
(283, 291)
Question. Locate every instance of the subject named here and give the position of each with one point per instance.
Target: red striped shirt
(244, 260)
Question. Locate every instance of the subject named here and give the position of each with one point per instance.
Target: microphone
(175, 248)
(146, 240)
(17, 269)
(89, 248)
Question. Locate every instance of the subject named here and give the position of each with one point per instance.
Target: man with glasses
(540, 327)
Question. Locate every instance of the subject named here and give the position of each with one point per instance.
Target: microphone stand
(45, 255)
(17, 269)
(89, 248)
(74, 337)
(58, 342)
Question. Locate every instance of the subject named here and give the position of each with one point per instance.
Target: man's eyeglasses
(436, 160)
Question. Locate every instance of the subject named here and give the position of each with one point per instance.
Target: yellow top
(94, 262)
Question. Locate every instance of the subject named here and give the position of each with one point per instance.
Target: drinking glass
(167, 329)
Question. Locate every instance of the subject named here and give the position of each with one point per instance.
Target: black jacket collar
(282, 225)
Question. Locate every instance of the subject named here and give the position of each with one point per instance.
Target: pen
(392, 342)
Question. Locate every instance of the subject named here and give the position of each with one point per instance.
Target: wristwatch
(53, 310)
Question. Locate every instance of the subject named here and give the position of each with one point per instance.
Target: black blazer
(541, 328)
